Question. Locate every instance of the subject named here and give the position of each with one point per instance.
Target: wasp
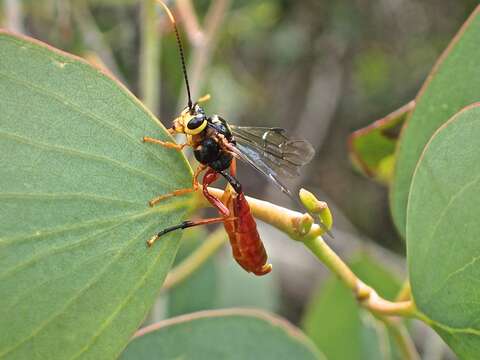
(216, 145)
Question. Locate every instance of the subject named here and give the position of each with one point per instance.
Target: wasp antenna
(180, 48)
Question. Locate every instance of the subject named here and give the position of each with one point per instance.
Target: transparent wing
(271, 152)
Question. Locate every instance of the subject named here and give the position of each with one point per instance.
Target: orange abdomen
(247, 247)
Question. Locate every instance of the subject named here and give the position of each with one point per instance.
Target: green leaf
(222, 334)
(453, 84)
(443, 232)
(76, 278)
(339, 327)
(372, 149)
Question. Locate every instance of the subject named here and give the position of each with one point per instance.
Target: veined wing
(271, 152)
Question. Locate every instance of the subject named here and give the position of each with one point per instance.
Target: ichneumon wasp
(216, 144)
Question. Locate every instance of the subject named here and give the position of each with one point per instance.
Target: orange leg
(167, 144)
(179, 192)
(208, 178)
(233, 167)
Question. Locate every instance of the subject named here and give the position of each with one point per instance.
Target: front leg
(167, 144)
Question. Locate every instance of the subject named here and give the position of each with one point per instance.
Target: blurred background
(318, 68)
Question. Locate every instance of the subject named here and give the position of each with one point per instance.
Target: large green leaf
(443, 232)
(76, 278)
(222, 334)
(338, 326)
(453, 84)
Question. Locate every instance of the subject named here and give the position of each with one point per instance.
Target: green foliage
(230, 334)
(435, 191)
(453, 84)
(443, 232)
(198, 291)
(238, 288)
(372, 149)
(373, 71)
(219, 283)
(76, 278)
(339, 327)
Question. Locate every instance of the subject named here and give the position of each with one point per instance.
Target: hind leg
(184, 225)
(209, 177)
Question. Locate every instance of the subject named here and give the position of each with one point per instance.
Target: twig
(190, 21)
(188, 266)
(203, 46)
(13, 16)
(94, 38)
(299, 227)
(149, 57)
(401, 337)
(405, 292)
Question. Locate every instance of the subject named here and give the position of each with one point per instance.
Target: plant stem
(331, 260)
(401, 337)
(366, 296)
(189, 19)
(188, 266)
(94, 38)
(293, 224)
(149, 57)
(405, 292)
(300, 227)
(203, 40)
(14, 16)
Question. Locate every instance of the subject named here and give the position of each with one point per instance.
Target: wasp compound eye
(196, 125)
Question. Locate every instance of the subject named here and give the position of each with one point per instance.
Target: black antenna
(180, 48)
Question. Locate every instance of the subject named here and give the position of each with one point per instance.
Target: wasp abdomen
(247, 247)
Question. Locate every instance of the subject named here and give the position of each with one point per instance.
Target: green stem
(331, 260)
(366, 296)
(188, 266)
(405, 292)
(402, 338)
(299, 227)
(149, 57)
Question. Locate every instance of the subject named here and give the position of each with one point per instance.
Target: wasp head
(192, 121)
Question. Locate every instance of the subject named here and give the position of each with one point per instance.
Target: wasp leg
(204, 98)
(184, 225)
(167, 144)
(233, 167)
(232, 180)
(179, 192)
(209, 177)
